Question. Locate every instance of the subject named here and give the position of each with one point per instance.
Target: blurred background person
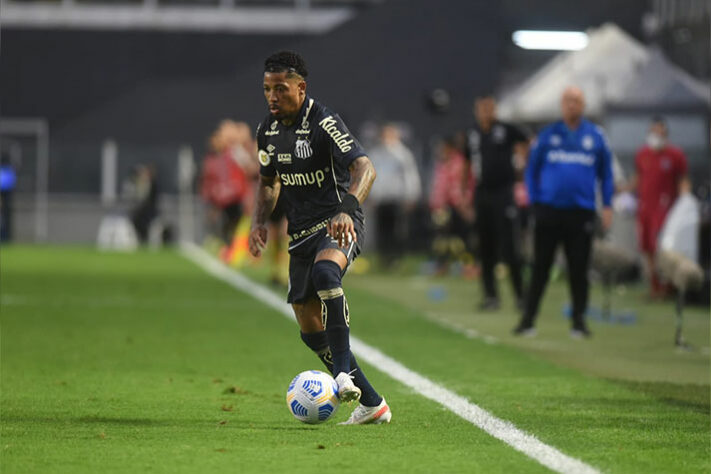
(565, 165)
(451, 195)
(395, 193)
(226, 174)
(8, 181)
(143, 189)
(493, 146)
(660, 174)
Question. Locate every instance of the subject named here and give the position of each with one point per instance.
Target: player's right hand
(341, 228)
(257, 240)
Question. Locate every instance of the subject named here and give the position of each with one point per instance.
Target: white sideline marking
(469, 333)
(521, 441)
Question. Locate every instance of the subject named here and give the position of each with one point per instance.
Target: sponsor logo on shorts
(342, 140)
(310, 231)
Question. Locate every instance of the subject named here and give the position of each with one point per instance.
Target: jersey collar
(302, 120)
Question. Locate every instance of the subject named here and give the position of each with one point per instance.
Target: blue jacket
(565, 165)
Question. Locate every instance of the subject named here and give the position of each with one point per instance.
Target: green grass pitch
(144, 363)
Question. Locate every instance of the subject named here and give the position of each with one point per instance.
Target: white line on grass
(469, 333)
(496, 427)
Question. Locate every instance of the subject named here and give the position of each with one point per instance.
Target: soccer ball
(312, 397)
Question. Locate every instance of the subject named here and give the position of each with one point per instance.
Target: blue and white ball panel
(312, 396)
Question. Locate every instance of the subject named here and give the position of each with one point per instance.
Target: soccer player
(308, 155)
(565, 165)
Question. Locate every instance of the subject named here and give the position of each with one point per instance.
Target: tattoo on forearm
(362, 178)
(267, 195)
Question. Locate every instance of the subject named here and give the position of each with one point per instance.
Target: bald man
(568, 160)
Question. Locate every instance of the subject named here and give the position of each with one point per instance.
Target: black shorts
(303, 253)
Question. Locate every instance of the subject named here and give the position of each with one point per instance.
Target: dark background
(153, 92)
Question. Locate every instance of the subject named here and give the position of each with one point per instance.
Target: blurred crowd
(465, 203)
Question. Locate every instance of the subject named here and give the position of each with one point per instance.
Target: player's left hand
(341, 228)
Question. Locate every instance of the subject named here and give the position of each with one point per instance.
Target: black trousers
(391, 241)
(573, 228)
(5, 216)
(231, 214)
(498, 230)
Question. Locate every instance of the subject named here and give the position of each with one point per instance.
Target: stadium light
(551, 40)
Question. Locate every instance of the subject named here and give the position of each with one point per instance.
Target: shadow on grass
(690, 396)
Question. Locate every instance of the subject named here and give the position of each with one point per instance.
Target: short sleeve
(344, 147)
(266, 167)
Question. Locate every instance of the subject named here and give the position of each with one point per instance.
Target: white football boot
(347, 391)
(363, 415)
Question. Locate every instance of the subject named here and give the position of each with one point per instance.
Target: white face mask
(654, 141)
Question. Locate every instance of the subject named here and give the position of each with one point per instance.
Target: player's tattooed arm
(362, 178)
(267, 195)
(341, 225)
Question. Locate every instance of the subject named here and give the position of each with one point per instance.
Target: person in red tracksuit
(225, 182)
(660, 172)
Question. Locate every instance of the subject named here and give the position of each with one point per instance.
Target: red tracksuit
(659, 172)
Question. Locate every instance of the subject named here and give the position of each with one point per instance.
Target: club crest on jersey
(555, 140)
(588, 142)
(302, 149)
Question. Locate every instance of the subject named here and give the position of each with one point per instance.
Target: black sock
(326, 276)
(318, 342)
(369, 397)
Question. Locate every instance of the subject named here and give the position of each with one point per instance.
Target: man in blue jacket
(568, 160)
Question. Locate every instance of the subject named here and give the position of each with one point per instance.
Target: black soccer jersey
(311, 159)
(491, 154)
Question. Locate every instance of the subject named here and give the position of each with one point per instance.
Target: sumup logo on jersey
(303, 179)
(341, 139)
(302, 149)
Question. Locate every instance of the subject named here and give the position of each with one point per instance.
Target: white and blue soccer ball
(312, 397)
